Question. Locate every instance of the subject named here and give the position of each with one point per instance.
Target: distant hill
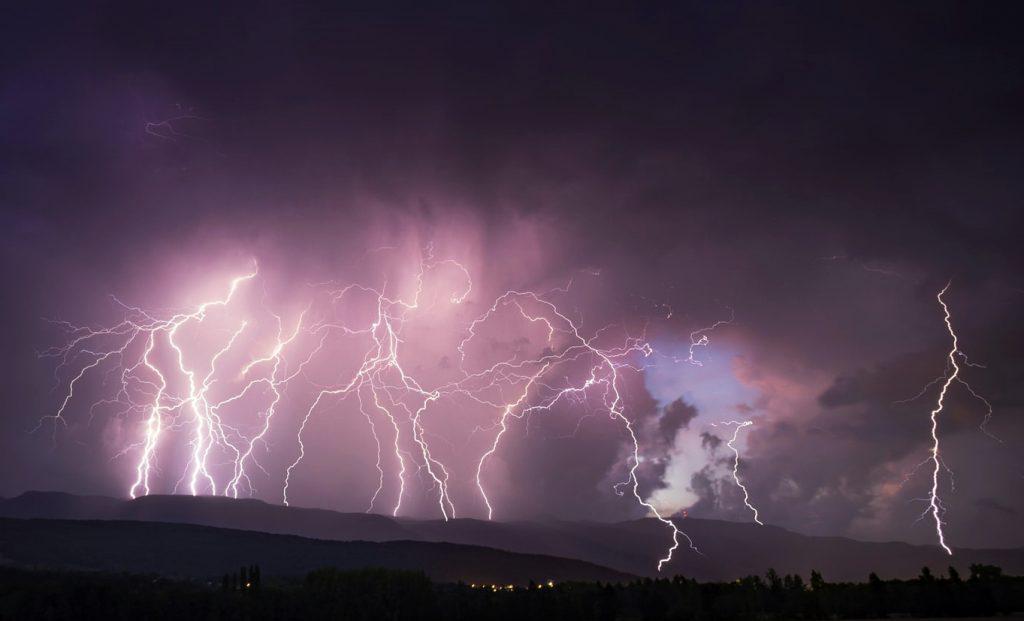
(189, 551)
(729, 550)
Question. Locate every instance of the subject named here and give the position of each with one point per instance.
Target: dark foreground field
(389, 594)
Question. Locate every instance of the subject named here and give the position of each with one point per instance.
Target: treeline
(384, 594)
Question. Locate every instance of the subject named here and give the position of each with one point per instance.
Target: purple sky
(819, 174)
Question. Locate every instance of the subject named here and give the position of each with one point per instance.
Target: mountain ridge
(728, 550)
(203, 552)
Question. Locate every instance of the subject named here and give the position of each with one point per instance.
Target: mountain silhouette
(190, 551)
(727, 550)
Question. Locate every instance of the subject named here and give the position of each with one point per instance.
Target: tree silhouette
(386, 594)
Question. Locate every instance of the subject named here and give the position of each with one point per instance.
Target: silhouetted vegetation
(385, 594)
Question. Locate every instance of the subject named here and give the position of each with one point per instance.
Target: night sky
(817, 173)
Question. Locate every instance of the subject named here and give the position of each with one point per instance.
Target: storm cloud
(822, 171)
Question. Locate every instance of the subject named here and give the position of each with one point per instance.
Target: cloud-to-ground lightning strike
(934, 502)
(738, 426)
(951, 375)
(605, 365)
(139, 373)
(174, 379)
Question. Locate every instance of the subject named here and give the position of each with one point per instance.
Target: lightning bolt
(700, 338)
(935, 506)
(275, 383)
(382, 376)
(142, 375)
(174, 385)
(166, 129)
(951, 376)
(604, 373)
(738, 426)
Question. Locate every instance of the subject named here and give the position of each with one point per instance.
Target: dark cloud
(717, 494)
(850, 459)
(706, 484)
(710, 442)
(675, 416)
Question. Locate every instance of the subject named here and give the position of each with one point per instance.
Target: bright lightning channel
(738, 426)
(952, 374)
(934, 502)
(170, 386)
